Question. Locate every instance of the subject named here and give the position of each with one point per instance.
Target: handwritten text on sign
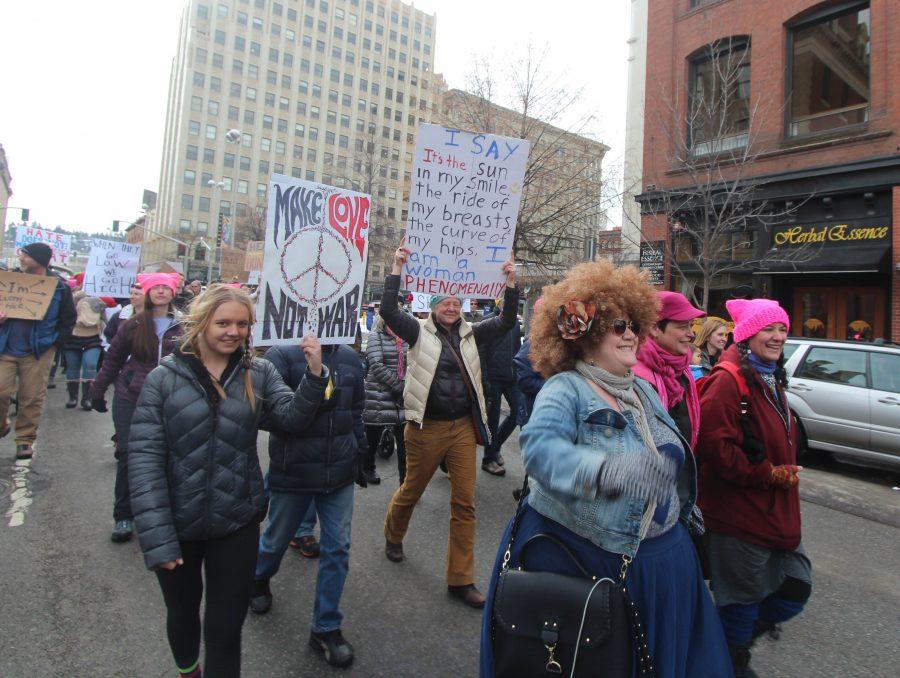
(317, 240)
(111, 268)
(26, 296)
(463, 204)
(59, 242)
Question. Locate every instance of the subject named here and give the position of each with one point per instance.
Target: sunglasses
(619, 326)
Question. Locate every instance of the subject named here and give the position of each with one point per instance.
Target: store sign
(652, 261)
(835, 233)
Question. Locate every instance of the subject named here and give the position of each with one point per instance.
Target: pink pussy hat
(150, 280)
(752, 315)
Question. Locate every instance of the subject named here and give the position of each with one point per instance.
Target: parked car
(846, 398)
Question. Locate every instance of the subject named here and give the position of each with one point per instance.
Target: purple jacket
(128, 372)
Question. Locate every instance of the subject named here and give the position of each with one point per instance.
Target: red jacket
(737, 497)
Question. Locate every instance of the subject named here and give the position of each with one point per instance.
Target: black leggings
(228, 563)
(373, 436)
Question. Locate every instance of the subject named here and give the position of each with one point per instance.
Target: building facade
(561, 215)
(634, 130)
(808, 126)
(5, 194)
(324, 90)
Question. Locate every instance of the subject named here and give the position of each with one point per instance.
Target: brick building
(813, 104)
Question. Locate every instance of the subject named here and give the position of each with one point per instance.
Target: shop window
(719, 98)
(830, 57)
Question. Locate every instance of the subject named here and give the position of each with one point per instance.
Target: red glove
(785, 476)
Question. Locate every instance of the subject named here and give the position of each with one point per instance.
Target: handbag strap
(543, 536)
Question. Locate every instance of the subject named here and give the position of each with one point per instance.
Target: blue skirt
(664, 580)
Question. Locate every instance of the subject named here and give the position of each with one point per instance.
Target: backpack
(751, 445)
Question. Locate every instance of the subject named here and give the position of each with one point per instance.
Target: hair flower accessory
(574, 319)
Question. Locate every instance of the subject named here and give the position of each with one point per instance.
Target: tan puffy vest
(422, 362)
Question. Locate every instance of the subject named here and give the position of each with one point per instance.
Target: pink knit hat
(150, 280)
(752, 315)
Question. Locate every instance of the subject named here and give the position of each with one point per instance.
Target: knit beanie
(438, 298)
(40, 252)
(752, 315)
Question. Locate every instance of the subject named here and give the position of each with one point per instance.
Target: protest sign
(317, 240)
(111, 268)
(463, 205)
(59, 242)
(253, 277)
(253, 257)
(26, 296)
(421, 303)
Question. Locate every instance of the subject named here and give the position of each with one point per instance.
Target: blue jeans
(308, 524)
(335, 511)
(82, 365)
(500, 431)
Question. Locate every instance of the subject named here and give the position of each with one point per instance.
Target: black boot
(86, 395)
(72, 386)
(740, 660)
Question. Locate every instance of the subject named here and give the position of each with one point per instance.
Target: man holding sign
(446, 414)
(27, 348)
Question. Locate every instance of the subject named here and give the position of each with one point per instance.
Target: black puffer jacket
(324, 456)
(497, 357)
(384, 391)
(192, 463)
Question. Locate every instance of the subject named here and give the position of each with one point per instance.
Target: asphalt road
(73, 604)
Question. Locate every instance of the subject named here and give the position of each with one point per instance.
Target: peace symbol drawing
(312, 268)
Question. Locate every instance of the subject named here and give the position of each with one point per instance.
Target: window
(885, 372)
(234, 89)
(719, 98)
(215, 84)
(242, 18)
(217, 60)
(222, 10)
(202, 12)
(191, 153)
(835, 365)
(229, 162)
(331, 116)
(219, 37)
(310, 175)
(211, 132)
(203, 204)
(263, 166)
(270, 99)
(260, 190)
(311, 154)
(257, 23)
(830, 58)
(272, 77)
(299, 130)
(190, 177)
(245, 163)
(267, 122)
(202, 227)
(209, 155)
(193, 128)
(242, 186)
(329, 138)
(199, 79)
(265, 144)
(237, 66)
(282, 125)
(249, 117)
(253, 71)
(313, 133)
(246, 140)
(279, 148)
(187, 201)
(197, 104)
(301, 108)
(251, 94)
(298, 152)
(184, 226)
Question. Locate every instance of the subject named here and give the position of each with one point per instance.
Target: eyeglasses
(619, 326)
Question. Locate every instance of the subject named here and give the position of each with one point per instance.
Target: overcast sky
(85, 83)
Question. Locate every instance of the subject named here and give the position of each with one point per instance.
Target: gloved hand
(785, 476)
(360, 476)
(98, 405)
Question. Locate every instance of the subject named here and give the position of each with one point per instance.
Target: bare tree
(562, 208)
(716, 215)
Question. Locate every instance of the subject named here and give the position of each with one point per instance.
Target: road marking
(20, 497)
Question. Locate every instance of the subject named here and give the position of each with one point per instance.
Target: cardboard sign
(421, 303)
(253, 258)
(26, 296)
(463, 204)
(59, 242)
(317, 241)
(112, 268)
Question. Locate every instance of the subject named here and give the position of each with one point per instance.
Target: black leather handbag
(547, 624)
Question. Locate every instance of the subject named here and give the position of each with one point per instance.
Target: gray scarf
(622, 389)
(649, 476)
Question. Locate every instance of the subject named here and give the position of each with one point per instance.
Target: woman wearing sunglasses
(610, 473)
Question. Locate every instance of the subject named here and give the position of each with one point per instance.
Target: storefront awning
(858, 259)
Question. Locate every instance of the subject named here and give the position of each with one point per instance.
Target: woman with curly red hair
(611, 476)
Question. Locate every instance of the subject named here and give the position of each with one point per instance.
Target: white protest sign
(317, 240)
(253, 277)
(59, 242)
(111, 269)
(421, 303)
(463, 205)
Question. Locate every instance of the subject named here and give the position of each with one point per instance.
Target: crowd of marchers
(656, 456)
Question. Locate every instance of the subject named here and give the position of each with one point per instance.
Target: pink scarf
(662, 370)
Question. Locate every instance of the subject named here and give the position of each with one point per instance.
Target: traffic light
(116, 226)
(220, 232)
(25, 214)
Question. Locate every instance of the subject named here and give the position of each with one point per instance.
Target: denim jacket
(572, 431)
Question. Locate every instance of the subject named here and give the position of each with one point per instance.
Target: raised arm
(404, 326)
(287, 410)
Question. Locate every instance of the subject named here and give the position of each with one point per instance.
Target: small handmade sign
(26, 296)
(111, 268)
